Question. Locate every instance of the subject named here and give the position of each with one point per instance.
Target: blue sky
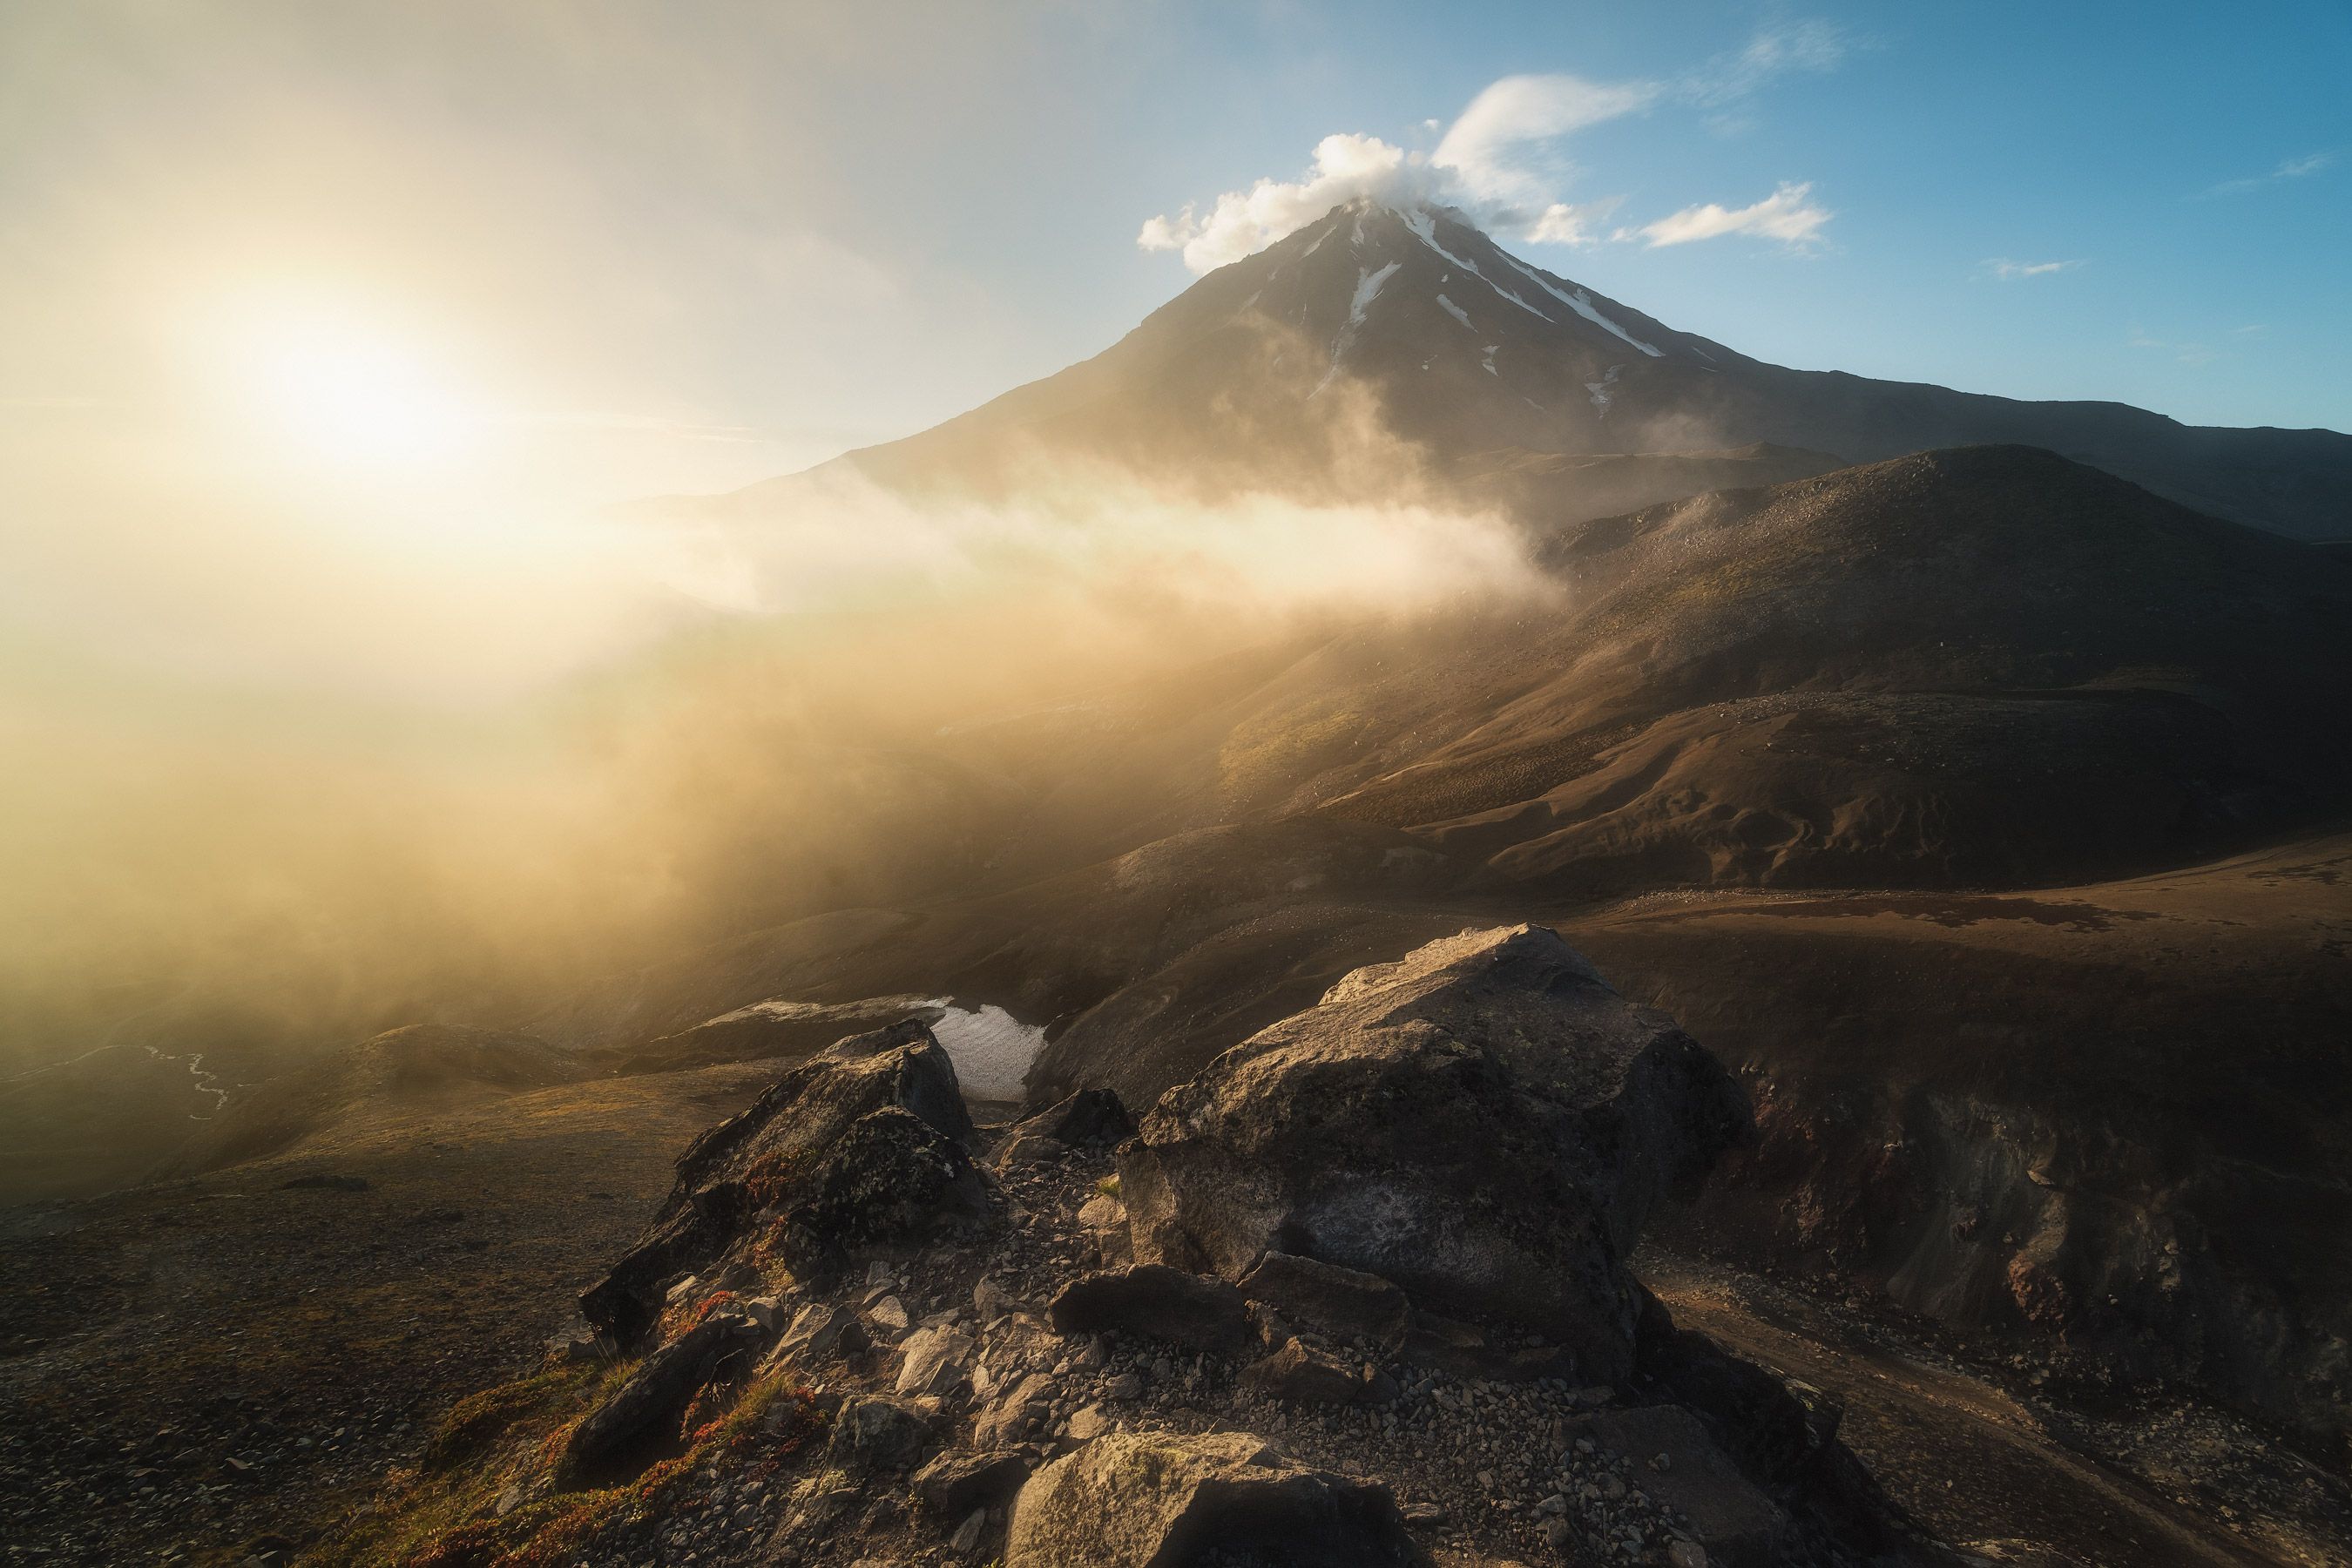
(2135, 144)
(685, 249)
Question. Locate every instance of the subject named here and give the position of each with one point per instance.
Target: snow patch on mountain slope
(1368, 288)
(1453, 310)
(1581, 303)
(1600, 390)
(1425, 228)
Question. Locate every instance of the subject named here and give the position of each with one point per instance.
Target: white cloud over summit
(1499, 161)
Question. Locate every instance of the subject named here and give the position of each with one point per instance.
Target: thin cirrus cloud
(1499, 163)
(2187, 354)
(1788, 214)
(2008, 271)
(2288, 169)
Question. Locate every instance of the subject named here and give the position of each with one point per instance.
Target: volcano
(1514, 386)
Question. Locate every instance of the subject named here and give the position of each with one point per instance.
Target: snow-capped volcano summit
(1410, 326)
(1471, 347)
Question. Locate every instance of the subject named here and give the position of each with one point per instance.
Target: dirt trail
(2010, 1480)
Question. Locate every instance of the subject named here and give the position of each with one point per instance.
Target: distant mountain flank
(1275, 370)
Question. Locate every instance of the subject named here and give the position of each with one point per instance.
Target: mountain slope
(1271, 370)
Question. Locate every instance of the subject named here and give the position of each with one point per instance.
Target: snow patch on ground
(1489, 361)
(992, 1049)
(1453, 310)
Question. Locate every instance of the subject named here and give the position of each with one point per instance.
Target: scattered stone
(1023, 1406)
(891, 1313)
(991, 1301)
(954, 1483)
(1029, 1149)
(817, 1332)
(1726, 1514)
(934, 1362)
(873, 1433)
(967, 1534)
(1102, 1212)
(1090, 1118)
(1345, 1304)
(1303, 1375)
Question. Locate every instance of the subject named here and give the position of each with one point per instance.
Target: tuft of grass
(1107, 1186)
(447, 1520)
(479, 1419)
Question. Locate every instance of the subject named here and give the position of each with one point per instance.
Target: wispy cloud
(2290, 169)
(2008, 271)
(1487, 148)
(2187, 354)
(1500, 161)
(1788, 214)
(1776, 51)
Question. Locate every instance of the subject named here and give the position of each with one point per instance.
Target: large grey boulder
(1162, 1499)
(777, 1154)
(1156, 1302)
(809, 1108)
(1484, 1122)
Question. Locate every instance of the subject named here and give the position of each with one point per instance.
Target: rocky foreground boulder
(1484, 1122)
(1356, 1296)
(1153, 1501)
(863, 1140)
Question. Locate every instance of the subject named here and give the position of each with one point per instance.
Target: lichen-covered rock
(892, 1175)
(1161, 1500)
(872, 1433)
(1485, 1122)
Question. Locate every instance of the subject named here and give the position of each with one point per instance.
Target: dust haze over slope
(1120, 689)
(227, 857)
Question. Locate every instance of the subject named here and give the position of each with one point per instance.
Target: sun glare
(349, 391)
